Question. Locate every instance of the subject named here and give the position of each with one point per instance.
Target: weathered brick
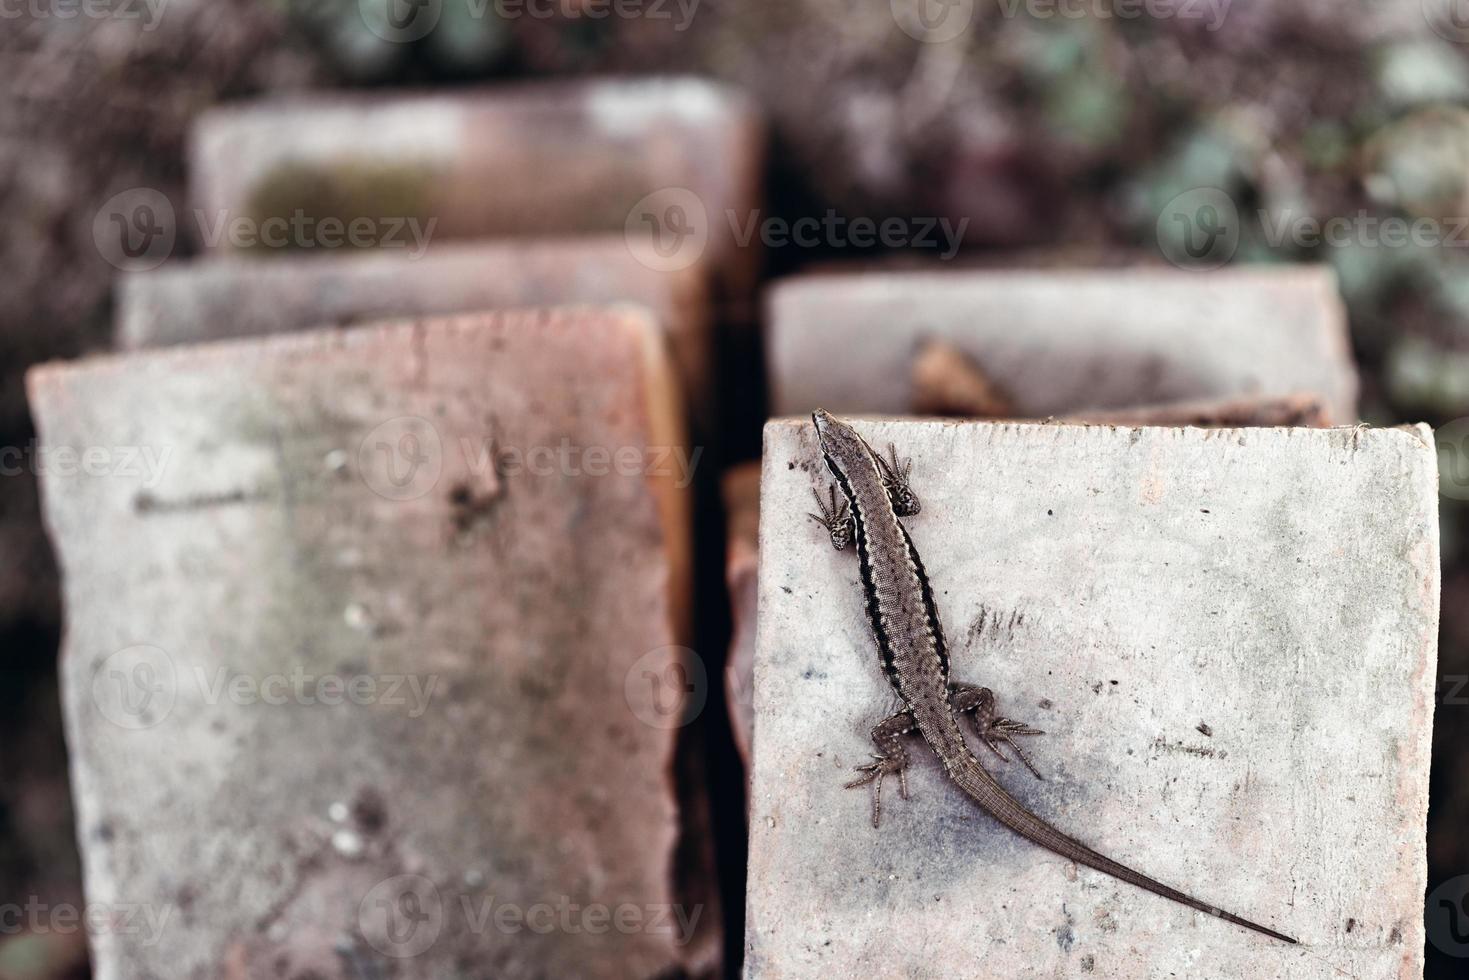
(217, 299)
(1057, 342)
(1229, 638)
(433, 505)
(534, 159)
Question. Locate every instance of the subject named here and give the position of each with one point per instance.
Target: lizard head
(844, 449)
(847, 454)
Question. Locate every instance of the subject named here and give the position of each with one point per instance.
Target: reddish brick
(534, 159)
(212, 300)
(433, 504)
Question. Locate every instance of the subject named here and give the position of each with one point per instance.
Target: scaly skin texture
(910, 644)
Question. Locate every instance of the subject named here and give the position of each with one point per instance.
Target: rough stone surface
(1056, 342)
(222, 298)
(533, 159)
(1229, 637)
(348, 698)
(1305, 411)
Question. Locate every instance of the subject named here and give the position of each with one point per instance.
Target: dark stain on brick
(1181, 748)
(146, 503)
(469, 509)
(370, 810)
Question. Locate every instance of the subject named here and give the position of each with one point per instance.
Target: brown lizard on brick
(910, 643)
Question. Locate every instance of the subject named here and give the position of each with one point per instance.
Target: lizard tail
(990, 795)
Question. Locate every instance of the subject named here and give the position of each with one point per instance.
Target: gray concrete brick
(239, 297)
(1059, 342)
(1229, 637)
(416, 511)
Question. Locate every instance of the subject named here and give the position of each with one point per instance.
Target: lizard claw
(875, 772)
(979, 704)
(1004, 730)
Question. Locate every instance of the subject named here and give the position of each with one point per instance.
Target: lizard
(904, 620)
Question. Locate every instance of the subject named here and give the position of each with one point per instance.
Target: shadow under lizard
(905, 624)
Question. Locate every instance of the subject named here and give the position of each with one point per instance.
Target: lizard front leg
(892, 759)
(979, 703)
(835, 517)
(894, 476)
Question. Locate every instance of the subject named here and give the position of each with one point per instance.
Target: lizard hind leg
(993, 731)
(892, 760)
(835, 517)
